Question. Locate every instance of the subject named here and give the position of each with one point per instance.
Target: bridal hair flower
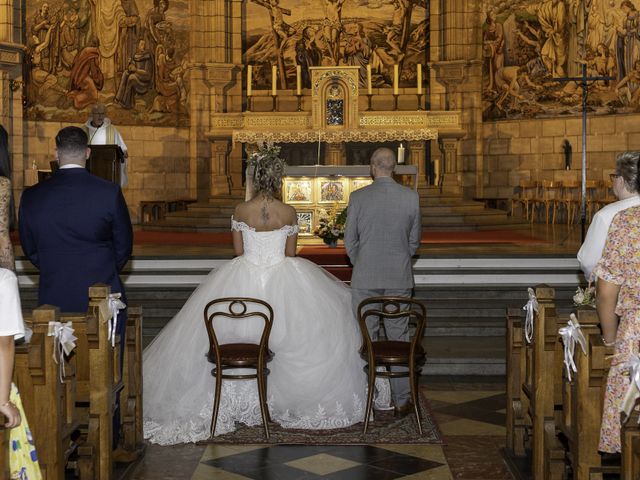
(585, 297)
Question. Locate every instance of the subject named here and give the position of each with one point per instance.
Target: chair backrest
(391, 308)
(236, 309)
(551, 189)
(528, 189)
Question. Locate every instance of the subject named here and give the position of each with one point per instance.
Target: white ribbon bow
(633, 392)
(64, 341)
(531, 308)
(115, 305)
(571, 334)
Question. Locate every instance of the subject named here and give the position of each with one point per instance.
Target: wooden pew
(540, 391)
(48, 402)
(4, 448)
(515, 374)
(98, 381)
(631, 448)
(131, 400)
(581, 414)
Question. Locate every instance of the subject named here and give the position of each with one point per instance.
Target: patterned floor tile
(322, 464)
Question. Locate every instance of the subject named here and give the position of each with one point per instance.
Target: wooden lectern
(105, 162)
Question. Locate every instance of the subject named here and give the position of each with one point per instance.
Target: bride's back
(265, 214)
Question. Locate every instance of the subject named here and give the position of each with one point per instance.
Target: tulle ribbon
(633, 392)
(64, 341)
(572, 334)
(531, 308)
(115, 305)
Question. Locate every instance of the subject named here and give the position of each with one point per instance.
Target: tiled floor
(469, 411)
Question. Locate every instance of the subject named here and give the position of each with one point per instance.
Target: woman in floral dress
(618, 296)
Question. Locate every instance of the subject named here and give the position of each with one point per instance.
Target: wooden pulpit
(105, 162)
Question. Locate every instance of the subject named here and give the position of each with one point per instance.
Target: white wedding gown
(316, 379)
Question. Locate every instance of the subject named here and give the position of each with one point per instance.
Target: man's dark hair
(71, 141)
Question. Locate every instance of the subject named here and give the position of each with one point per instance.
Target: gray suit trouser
(396, 329)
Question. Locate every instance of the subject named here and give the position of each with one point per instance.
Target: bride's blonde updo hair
(268, 170)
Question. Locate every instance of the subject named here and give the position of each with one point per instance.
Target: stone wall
(158, 160)
(532, 149)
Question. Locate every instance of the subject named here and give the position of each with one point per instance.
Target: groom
(382, 234)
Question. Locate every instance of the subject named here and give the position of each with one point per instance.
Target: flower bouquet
(331, 225)
(585, 297)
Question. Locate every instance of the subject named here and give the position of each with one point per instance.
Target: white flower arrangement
(585, 297)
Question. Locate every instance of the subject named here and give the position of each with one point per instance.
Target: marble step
(465, 355)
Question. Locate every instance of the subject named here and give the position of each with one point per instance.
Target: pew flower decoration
(585, 297)
(64, 341)
(633, 392)
(115, 305)
(331, 225)
(531, 308)
(572, 334)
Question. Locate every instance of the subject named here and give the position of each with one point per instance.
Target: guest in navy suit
(75, 228)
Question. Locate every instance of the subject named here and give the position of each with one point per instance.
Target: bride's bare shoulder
(240, 213)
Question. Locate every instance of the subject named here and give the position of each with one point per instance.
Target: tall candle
(274, 80)
(249, 75)
(298, 79)
(419, 79)
(368, 79)
(401, 154)
(395, 79)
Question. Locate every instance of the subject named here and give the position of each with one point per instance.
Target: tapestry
(533, 50)
(378, 33)
(131, 55)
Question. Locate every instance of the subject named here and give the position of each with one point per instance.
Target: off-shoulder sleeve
(611, 266)
(239, 226)
(291, 230)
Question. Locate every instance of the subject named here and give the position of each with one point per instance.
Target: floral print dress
(620, 265)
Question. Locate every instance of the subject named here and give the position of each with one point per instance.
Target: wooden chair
(549, 199)
(392, 353)
(604, 196)
(528, 190)
(239, 355)
(570, 200)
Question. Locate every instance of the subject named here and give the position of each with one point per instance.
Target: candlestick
(274, 80)
(368, 80)
(395, 79)
(436, 171)
(249, 79)
(298, 80)
(401, 154)
(419, 79)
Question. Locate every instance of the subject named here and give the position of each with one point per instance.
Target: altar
(329, 116)
(316, 191)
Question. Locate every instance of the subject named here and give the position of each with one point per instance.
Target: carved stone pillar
(416, 157)
(452, 74)
(6, 17)
(220, 181)
(450, 169)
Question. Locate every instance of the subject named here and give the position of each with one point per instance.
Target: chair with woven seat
(239, 355)
(392, 353)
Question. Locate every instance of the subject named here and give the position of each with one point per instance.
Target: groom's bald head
(383, 161)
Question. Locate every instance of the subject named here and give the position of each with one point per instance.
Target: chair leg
(263, 401)
(414, 395)
(264, 389)
(372, 384)
(216, 400)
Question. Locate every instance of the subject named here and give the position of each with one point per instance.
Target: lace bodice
(263, 248)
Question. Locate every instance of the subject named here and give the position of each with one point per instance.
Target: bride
(316, 379)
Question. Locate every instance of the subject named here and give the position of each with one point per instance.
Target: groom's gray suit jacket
(382, 234)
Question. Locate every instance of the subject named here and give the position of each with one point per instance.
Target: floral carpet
(385, 429)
